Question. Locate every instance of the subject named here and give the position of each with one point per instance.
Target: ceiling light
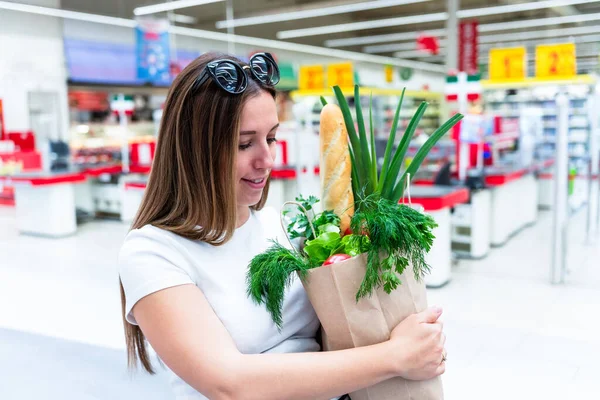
(183, 19)
(581, 41)
(392, 37)
(357, 26)
(530, 23)
(418, 53)
(307, 49)
(494, 38)
(539, 34)
(387, 48)
(172, 5)
(55, 12)
(423, 18)
(432, 58)
(519, 7)
(316, 12)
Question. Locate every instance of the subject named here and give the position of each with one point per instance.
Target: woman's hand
(419, 342)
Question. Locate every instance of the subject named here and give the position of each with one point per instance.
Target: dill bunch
(270, 273)
(399, 234)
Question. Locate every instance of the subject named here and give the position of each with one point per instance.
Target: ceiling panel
(208, 15)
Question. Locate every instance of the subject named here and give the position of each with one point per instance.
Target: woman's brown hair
(191, 190)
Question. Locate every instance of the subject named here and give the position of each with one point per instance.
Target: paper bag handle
(312, 228)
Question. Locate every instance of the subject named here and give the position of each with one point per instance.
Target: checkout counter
(438, 201)
(513, 202)
(514, 199)
(45, 202)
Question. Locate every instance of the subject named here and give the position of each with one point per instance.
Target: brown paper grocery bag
(347, 324)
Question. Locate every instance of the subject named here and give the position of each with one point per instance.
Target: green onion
(365, 179)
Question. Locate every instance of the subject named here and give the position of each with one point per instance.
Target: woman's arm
(181, 326)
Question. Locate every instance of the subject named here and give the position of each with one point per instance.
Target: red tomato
(363, 232)
(336, 258)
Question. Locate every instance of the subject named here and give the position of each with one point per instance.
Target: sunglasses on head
(232, 78)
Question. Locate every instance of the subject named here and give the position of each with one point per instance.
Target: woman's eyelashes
(245, 146)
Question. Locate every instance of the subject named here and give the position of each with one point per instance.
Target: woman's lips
(256, 183)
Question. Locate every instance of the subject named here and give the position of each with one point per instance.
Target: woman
(184, 263)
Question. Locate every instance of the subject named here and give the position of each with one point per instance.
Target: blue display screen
(109, 63)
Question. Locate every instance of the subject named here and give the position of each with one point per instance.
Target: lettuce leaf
(319, 249)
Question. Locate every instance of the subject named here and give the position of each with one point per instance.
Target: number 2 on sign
(555, 60)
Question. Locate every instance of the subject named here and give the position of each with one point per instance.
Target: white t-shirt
(152, 259)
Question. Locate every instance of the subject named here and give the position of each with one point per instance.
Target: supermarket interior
(513, 187)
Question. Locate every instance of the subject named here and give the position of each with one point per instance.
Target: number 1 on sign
(507, 63)
(553, 63)
(513, 67)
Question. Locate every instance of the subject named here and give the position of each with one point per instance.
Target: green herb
(399, 234)
(365, 180)
(299, 226)
(326, 218)
(307, 203)
(353, 245)
(269, 274)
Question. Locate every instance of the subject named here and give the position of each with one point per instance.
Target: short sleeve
(148, 262)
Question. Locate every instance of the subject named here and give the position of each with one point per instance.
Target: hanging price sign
(341, 75)
(311, 77)
(555, 60)
(508, 64)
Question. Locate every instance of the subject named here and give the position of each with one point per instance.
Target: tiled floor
(511, 334)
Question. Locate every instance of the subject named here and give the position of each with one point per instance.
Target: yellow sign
(341, 75)
(389, 74)
(555, 60)
(311, 77)
(508, 63)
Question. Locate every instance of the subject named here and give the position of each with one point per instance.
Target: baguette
(336, 166)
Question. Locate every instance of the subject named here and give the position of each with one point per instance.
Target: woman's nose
(265, 159)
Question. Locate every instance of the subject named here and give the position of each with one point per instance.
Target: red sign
(428, 43)
(88, 101)
(467, 47)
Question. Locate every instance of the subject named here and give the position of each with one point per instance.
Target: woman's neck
(243, 214)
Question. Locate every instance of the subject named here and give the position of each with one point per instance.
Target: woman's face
(256, 148)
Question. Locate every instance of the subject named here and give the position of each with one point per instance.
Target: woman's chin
(249, 201)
